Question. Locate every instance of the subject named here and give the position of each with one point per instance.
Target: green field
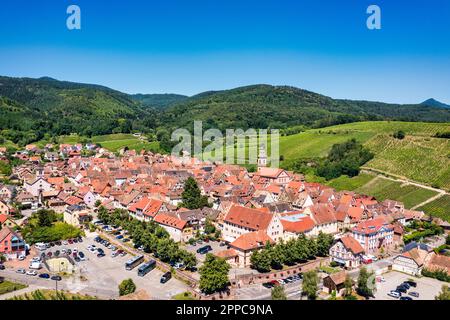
(438, 208)
(7, 286)
(383, 189)
(114, 142)
(350, 184)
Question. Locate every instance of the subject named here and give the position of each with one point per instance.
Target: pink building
(11, 244)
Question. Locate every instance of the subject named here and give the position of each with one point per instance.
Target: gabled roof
(251, 240)
(249, 218)
(351, 244)
(170, 221)
(301, 225)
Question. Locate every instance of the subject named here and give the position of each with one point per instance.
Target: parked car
(411, 283)
(49, 254)
(401, 289)
(178, 265)
(77, 258)
(56, 278)
(2, 267)
(68, 251)
(21, 271)
(65, 242)
(21, 257)
(275, 282)
(31, 273)
(268, 285)
(58, 243)
(70, 241)
(394, 294)
(166, 277)
(119, 237)
(114, 254)
(413, 294)
(406, 298)
(44, 276)
(281, 281)
(57, 252)
(75, 240)
(406, 285)
(100, 255)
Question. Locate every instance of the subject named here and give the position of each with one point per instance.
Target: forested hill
(32, 108)
(158, 101)
(262, 106)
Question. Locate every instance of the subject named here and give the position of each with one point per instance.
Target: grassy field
(115, 142)
(383, 189)
(350, 184)
(46, 294)
(7, 286)
(438, 208)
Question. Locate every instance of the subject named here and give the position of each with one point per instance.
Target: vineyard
(438, 208)
(383, 189)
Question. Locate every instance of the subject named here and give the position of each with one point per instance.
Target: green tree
(192, 197)
(310, 284)
(126, 287)
(45, 218)
(324, 242)
(277, 293)
(444, 294)
(189, 259)
(366, 283)
(261, 260)
(214, 274)
(348, 285)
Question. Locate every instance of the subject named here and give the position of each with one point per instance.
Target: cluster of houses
(249, 208)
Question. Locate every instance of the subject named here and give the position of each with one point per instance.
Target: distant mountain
(158, 101)
(434, 103)
(266, 106)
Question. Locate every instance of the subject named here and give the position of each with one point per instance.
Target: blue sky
(192, 46)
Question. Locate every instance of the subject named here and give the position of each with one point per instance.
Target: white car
(75, 250)
(394, 294)
(21, 257)
(63, 251)
(36, 259)
(21, 271)
(281, 281)
(31, 273)
(65, 243)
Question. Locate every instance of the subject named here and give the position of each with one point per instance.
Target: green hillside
(49, 107)
(158, 101)
(265, 106)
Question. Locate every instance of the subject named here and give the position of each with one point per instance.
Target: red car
(49, 254)
(70, 241)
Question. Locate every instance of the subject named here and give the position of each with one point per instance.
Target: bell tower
(262, 157)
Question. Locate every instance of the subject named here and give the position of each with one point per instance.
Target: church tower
(262, 157)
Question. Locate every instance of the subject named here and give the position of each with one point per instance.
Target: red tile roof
(251, 240)
(170, 221)
(249, 218)
(305, 224)
(350, 243)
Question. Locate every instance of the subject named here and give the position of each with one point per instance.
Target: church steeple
(262, 157)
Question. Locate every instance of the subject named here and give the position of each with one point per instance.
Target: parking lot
(201, 257)
(104, 274)
(427, 288)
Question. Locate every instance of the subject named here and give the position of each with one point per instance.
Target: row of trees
(150, 235)
(291, 252)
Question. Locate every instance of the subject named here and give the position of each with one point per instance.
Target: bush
(399, 135)
(438, 274)
(126, 287)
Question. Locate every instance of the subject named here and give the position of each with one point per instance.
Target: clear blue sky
(192, 46)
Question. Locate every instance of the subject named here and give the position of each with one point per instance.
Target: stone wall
(246, 279)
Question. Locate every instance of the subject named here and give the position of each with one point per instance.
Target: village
(245, 214)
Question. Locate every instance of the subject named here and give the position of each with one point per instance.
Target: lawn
(438, 208)
(383, 189)
(7, 286)
(350, 184)
(46, 294)
(183, 296)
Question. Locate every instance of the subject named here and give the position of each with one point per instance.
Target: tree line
(300, 249)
